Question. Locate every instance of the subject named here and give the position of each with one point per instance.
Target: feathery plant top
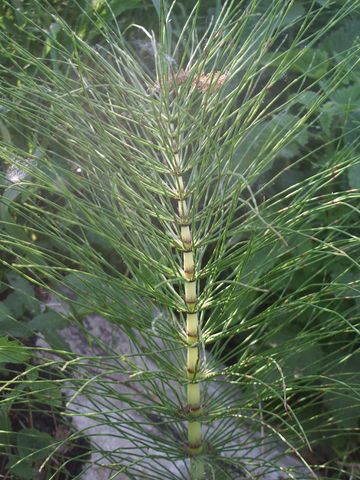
(152, 196)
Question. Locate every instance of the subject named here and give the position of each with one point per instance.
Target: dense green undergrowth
(279, 272)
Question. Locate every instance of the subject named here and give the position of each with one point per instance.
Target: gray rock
(116, 411)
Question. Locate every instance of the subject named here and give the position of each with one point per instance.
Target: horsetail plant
(153, 194)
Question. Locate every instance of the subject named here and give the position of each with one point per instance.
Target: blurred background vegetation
(22, 314)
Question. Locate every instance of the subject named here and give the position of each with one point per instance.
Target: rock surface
(112, 405)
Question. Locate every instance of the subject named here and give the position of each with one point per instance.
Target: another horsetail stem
(193, 395)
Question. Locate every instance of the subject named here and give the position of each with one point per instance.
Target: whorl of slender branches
(146, 196)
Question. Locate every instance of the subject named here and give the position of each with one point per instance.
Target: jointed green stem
(193, 334)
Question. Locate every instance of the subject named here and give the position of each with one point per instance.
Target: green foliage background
(321, 363)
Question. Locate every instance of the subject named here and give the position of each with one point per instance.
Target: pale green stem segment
(195, 441)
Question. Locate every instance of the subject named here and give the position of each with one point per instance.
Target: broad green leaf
(300, 359)
(49, 320)
(343, 397)
(346, 282)
(46, 392)
(258, 263)
(343, 111)
(7, 221)
(15, 328)
(340, 40)
(22, 298)
(354, 176)
(21, 469)
(49, 323)
(12, 351)
(115, 7)
(308, 98)
(296, 11)
(5, 430)
(4, 312)
(313, 63)
(343, 408)
(32, 444)
(4, 131)
(262, 144)
(328, 113)
(347, 97)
